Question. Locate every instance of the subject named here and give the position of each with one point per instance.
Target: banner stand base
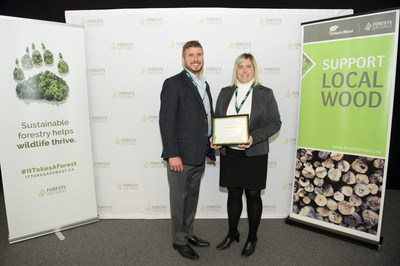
(12, 240)
(375, 246)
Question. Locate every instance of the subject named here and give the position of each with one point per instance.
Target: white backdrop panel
(131, 52)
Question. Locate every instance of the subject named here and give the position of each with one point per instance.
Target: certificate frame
(231, 130)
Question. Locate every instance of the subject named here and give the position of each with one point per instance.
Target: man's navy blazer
(183, 120)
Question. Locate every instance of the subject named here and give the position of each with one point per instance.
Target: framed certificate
(230, 130)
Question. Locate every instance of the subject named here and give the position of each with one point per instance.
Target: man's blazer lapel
(208, 91)
(193, 89)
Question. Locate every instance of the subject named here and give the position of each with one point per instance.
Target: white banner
(129, 55)
(46, 157)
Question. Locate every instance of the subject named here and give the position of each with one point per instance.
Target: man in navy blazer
(185, 125)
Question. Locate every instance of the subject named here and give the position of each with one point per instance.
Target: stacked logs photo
(338, 188)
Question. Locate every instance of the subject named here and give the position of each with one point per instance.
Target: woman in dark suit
(244, 167)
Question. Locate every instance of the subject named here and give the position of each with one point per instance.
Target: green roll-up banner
(346, 100)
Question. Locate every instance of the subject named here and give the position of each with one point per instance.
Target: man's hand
(175, 164)
(209, 160)
(215, 147)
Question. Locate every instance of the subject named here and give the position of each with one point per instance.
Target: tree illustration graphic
(45, 86)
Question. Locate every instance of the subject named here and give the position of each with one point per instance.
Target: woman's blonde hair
(238, 61)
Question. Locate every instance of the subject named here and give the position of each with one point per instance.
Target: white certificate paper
(229, 130)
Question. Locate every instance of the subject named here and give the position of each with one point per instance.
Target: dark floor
(147, 242)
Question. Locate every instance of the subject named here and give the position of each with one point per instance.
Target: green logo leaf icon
(286, 142)
(42, 193)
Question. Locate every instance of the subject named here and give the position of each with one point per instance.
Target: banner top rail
(351, 27)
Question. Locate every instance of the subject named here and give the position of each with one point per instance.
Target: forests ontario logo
(45, 85)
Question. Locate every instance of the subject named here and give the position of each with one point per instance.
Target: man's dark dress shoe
(249, 248)
(198, 242)
(228, 241)
(186, 251)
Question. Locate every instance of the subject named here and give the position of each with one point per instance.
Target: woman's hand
(215, 147)
(246, 146)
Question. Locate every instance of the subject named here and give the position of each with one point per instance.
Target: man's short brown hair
(190, 44)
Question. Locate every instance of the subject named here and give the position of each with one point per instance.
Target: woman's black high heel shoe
(228, 241)
(249, 248)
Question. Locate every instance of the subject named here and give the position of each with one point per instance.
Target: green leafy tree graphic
(45, 85)
(26, 60)
(18, 72)
(47, 56)
(63, 67)
(36, 56)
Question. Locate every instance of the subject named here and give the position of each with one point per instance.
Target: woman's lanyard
(245, 98)
(195, 84)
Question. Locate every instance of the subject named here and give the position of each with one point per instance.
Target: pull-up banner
(45, 155)
(346, 99)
